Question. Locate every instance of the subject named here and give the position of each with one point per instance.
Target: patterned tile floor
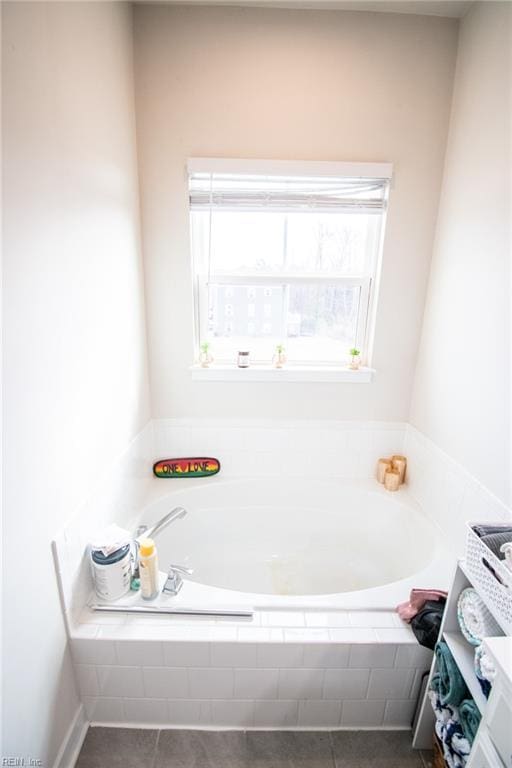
(141, 748)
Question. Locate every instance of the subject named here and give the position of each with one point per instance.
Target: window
(286, 254)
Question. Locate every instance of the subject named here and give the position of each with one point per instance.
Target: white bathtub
(319, 566)
(296, 544)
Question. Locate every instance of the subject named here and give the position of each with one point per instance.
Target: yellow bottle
(148, 566)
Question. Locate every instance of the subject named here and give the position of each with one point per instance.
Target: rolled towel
(469, 719)
(475, 620)
(444, 714)
(484, 683)
(494, 541)
(449, 683)
(460, 745)
(454, 737)
(484, 665)
(485, 530)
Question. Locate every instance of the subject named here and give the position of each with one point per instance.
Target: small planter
(355, 359)
(279, 358)
(205, 358)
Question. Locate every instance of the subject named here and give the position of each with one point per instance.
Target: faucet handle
(174, 581)
(181, 569)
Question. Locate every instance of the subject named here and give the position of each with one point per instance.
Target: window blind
(244, 192)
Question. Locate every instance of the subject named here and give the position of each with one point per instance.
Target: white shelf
(291, 373)
(462, 652)
(464, 655)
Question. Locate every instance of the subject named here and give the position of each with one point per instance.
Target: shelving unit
(462, 652)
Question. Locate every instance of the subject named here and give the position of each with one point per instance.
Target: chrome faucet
(174, 581)
(143, 532)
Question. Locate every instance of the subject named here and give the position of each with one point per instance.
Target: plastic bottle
(148, 564)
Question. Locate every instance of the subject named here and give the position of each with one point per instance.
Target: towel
(494, 541)
(485, 530)
(417, 600)
(475, 619)
(449, 683)
(484, 665)
(460, 745)
(456, 747)
(469, 716)
(484, 683)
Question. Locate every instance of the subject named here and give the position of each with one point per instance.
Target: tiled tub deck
(282, 669)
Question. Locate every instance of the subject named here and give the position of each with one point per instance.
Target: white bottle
(148, 565)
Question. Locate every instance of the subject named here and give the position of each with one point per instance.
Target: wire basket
(491, 578)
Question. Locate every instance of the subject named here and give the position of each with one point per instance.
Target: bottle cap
(146, 547)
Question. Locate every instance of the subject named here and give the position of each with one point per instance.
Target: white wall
(260, 83)
(462, 390)
(75, 382)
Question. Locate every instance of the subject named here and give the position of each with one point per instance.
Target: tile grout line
(331, 744)
(155, 748)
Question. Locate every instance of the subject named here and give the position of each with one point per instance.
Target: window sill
(269, 374)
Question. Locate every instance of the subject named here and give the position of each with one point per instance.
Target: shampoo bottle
(148, 564)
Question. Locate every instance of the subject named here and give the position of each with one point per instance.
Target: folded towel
(449, 683)
(470, 717)
(495, 540)
(475, 620)
(485, 530)
(417, 600)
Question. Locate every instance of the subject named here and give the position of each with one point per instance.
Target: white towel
(484, 665)
(475, 620)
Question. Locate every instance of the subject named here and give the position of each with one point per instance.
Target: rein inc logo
(21, 761)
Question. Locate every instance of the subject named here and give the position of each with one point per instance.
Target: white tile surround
(118, 498)
(449, 495)
(272, 683)
(283, 669)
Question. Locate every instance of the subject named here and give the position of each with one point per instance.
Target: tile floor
(137, 748)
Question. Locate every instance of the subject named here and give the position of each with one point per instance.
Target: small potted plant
(355, 359)
(279, 358)
(205, 357)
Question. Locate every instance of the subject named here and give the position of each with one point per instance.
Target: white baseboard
(72, 743)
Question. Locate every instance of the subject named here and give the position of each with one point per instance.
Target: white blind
(258, 192)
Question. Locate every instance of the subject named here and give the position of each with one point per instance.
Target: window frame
(368, 284)
(281, 280)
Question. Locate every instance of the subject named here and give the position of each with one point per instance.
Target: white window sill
(289, 373)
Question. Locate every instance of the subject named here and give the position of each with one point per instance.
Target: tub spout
(170, 517)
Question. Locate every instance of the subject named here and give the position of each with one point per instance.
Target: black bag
(427, 623)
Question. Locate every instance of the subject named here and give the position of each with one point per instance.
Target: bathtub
(316, 566)
(299, 544)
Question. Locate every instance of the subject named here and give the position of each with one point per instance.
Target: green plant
(204, 347)
(354, 352)
(279, 349)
